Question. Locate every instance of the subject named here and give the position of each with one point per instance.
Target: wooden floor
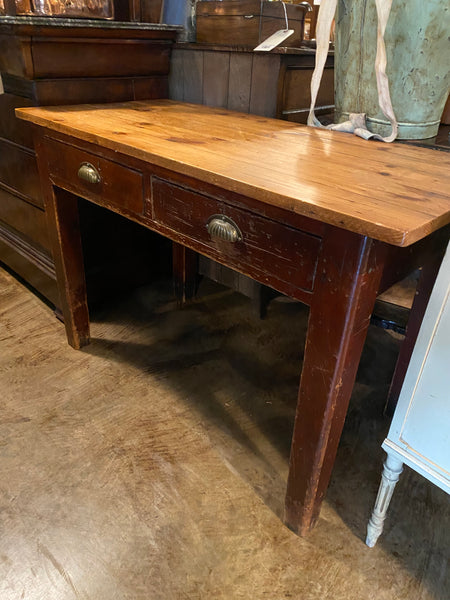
(152, 464)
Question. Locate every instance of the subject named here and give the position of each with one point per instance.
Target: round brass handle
(221, 227)
(89, 173)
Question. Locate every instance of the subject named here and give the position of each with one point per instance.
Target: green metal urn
(417, 42)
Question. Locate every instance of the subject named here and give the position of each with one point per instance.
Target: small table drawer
(255, 244)
(116, 186)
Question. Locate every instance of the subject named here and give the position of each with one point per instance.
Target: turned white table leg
(391, 472)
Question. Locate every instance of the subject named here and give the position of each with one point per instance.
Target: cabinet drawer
(18, 171)
(25, 218)
(78, 57)
(272, 251)
(118, 186)
(11, 128)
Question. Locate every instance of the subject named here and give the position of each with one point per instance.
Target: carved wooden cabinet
(61, 61)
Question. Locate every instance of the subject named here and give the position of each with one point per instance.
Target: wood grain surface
(393, 193)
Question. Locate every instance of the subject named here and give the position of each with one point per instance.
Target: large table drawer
(118, 186)
(275, 250)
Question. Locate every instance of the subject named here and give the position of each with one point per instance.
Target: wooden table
(324, 217)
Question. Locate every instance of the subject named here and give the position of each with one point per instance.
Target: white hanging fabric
(357, 122)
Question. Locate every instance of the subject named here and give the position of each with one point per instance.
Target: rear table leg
(425, 285)
(185, 273)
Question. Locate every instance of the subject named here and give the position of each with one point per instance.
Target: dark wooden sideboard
(61, 61)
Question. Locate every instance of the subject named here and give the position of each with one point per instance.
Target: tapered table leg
(347, 280)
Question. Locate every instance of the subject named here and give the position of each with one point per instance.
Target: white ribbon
(357, 122)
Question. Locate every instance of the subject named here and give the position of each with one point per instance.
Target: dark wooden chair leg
(425, 285)
(62, 215)
(347, 281)
(185, 273)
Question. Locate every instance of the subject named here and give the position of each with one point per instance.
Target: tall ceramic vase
(417, 42)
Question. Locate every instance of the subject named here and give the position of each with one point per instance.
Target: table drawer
(261, 246)
(117, 186)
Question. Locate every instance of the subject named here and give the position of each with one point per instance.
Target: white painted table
(420, 431)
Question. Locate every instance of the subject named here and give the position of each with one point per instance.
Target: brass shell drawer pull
(221, 227)
(89, 173)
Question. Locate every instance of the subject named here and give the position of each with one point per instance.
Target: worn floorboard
(152, 464)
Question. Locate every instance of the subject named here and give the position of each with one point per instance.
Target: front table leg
(348, 276)
(63, 219)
